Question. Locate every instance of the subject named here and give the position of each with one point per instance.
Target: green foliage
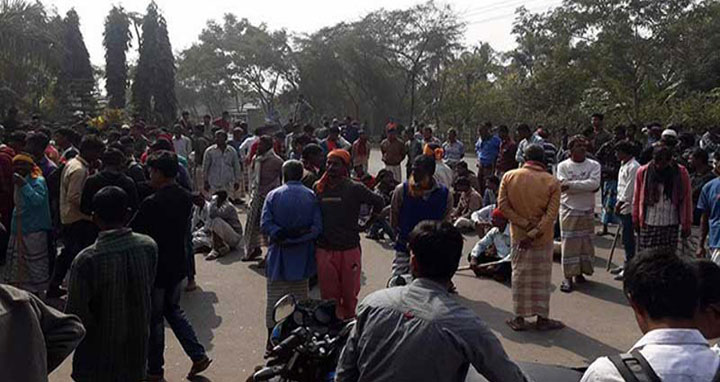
(116, 39)
(153, 88)
(75, 82)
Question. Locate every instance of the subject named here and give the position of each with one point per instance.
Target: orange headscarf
(36, 171)
(344, 156)
(438, 153)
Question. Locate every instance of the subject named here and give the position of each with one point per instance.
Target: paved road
(228, 314)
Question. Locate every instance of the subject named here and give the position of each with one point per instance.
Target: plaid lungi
(253, 238)
(578, 252)
(279, 288)
(531, 278)
(28, 262)
(715, 255)
(657, 236)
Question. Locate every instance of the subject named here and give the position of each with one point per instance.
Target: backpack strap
(634, 367)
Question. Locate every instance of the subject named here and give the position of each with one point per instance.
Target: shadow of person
(567, 338)
(603, 291)
(199, 378)
(199, 306)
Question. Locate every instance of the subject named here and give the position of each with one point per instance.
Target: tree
(75, 83)
(153, 89)
(116, 39)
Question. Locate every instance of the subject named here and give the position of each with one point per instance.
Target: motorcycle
(307, 340)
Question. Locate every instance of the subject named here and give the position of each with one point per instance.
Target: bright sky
(488, 20)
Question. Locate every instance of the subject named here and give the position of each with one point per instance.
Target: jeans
(76, 237)
(165, 305)
(628, 236)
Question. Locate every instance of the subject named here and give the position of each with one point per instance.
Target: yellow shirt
(529, 197)
(72, 182)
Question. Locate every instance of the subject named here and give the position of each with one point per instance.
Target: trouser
(191, 256)
(225, 232)
(339, 278)
(76, 237)
(609, 199)
(628, 236)
(396, 171)
(166, 306)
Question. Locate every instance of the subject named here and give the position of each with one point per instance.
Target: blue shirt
(32, 206)
(487, 150)
(709, 203)
(291, 206)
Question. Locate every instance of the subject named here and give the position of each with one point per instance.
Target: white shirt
(584, 181)
(663, 213)
(443, 174)
(183, 146)
(676, 355)
(221, 168)
(483, 215)
(246, 145)
(500, 239)
(626, 185)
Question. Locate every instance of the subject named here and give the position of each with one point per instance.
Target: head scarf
(344, 156)
(35, 172)
(438, 153)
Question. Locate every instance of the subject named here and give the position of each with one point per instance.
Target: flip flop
(547, 324)
(518, 326)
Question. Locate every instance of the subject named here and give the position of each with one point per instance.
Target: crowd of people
(118, 215)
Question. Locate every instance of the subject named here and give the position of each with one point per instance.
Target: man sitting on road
(224, 226)
(663, 291)
(399, 329)
(494, 246)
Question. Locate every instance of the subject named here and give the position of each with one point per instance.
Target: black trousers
(76, 237)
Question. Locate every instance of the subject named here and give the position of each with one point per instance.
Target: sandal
(518, 324)
(546, 324)
(566, 286)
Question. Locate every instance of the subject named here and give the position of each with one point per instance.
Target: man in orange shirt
(530, 199)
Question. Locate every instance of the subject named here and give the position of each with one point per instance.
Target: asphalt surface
(228, 310)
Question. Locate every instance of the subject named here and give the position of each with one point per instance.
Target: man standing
(419, 198)
(506, 156)
(532, 216)
(662, 201)
(313, 161)
(453, 149)
(579, 181)
(398, 327)
(334, 141)
(600, 136)
(361, 151)
(486, 148)
(78, 230)
(221, 166)
(623, 209)
(35, 145)
(265, 175)
(610, 167)
(223, 122)
(709, 205)
(393, 152)
(181, 143)
(428, 138)
(338, 252)
(110, 289)
(413, 148)
(292, 220)
(165, 217)
(199, 145)
(113, 161)
(525, 139)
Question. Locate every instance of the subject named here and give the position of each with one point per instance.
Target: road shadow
(233, 257)
(199, 307)
(568, 338)
(199, 378)
(603, 291)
